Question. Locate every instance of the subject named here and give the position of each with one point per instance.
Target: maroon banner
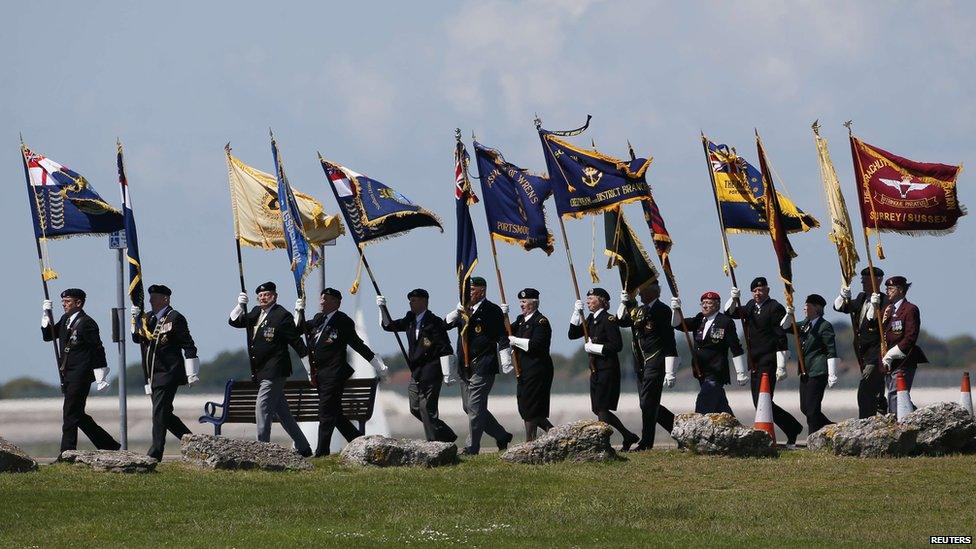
(900, 195)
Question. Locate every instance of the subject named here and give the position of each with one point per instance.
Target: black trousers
(423, 397)
(330, 412)
(870, 395)
(650, 385)
(811, 396)
(712, 398)
(74, 418)
(163, 419)
(783, 419)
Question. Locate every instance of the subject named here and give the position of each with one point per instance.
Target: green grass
(658, 498)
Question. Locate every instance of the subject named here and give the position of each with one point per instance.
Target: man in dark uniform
(902, 323)
(602, 346)
(274, 331)
(430, 359)
(655, 356)
(82, 362)
(715, 336)
(863, 311)
(819, 358)
(767, 346)
(329, 333)
(486, 341)
(166, 341)
(531, 336)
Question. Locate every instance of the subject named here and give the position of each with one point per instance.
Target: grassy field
(658, 498)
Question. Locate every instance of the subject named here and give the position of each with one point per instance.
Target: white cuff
(894, 353)
(621, 310)
(786, 322)
(729, 304)
(45, 320)
(519, 342)
(839, 303)
(832, 367)
(236, 312)
(782, 358)
(739, 362)
(671, 363)
(191, 366)
(451, 316)
(101, 374)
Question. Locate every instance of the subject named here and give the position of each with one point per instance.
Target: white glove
(734, 293)
(380, 301)
(787, 320)
(449, 369)
(593, 348)
(675, 312)
(675, 303)
(47, 305)
(308, 367)
(135, 311)
(380, 368)
(577, 317)
(451, 316)
(192, 368)
(624, 296)
(621, 309)
(671, 363)
(840, 299)
(893, 353)
(242, 298)
(299, 304)
(782, 357)
(845, 292)
(504, 308)
(831, 372)
(519, 342)
(101, 378)
(505, 360)
(45, 313)
(741, 373)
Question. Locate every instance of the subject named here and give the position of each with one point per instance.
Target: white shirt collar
(162, 312)
(420, 316)
(597, 313)
(897, 304)
(474, 306)
(328, 316)
(72, 317)
(528, 316)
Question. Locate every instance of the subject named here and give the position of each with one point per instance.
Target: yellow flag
(257, 218)
(841, 232)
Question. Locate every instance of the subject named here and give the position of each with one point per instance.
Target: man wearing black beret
(767, 347)
(430, 359)
(864, 310)
(274, 331)
(82, 362)
(171, 357)
(819, 350)
(330, 333)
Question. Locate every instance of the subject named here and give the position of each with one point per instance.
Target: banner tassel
(594, 274)
(359, 273)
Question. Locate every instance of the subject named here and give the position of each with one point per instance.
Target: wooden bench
(358, 399)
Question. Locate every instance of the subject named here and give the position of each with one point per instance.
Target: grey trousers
(423, 396)
(474, 400)
(891, 381)
(270, 405)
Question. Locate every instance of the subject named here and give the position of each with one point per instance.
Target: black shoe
(791, 440)
(629, 441)
(503, 442)
(641, 448)
(158, 458)
(305, 453)
(468, 451)
(322, 454)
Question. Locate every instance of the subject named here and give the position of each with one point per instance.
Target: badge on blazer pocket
(425, 341)
(717, 333)
(897, 325)
(269, 333)
(166, 327)
(478, 328)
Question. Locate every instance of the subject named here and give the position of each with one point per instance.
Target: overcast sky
(381, 87)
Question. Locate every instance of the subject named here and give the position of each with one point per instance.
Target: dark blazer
(538, 331)
(269, 346)
(867, 338)
(712, 349)
(485, 336)
(653, 335)
(901, 328)
(818, 344)
(424, 351)
(170, 343)
(603, 330)
(80, 346)
(329, 342)
(765, 336)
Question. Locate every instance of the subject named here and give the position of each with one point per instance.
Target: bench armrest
(210, 408)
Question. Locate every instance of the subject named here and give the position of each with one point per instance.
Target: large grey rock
(380, 451)
(721, 434)
(876, 436)
(580, 441)
(112, 461)
(212, 452)
(943, 428)
(14, 460)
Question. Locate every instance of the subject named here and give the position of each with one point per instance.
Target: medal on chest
(425, 341)
(897, 325)
(331, 336)
(716, 333)
(268, 333)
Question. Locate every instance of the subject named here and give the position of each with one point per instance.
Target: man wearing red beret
(901, 322)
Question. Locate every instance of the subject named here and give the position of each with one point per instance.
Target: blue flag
(467, 244)
(586, 182)
(739, 190)
(372, 210)
(136, 295)
(302, 256)
(513, 201)
(63, 203)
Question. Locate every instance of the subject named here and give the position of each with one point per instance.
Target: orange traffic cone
(966, 394)
(764, 408)
(904, 401)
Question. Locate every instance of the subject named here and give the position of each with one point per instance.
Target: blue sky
(380, 87)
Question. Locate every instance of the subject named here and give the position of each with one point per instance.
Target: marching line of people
(484, 349)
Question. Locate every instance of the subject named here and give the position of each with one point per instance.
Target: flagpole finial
(850, 126)
(457, 134)
(816, 127)
(537, 121)
(227, 148)
(473, 136)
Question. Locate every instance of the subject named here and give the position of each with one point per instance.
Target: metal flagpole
(240, 271)
(729, 263)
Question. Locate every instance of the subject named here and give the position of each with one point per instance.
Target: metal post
(120, 303)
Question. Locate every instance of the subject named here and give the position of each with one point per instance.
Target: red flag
(777, 224)
(900, 195)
